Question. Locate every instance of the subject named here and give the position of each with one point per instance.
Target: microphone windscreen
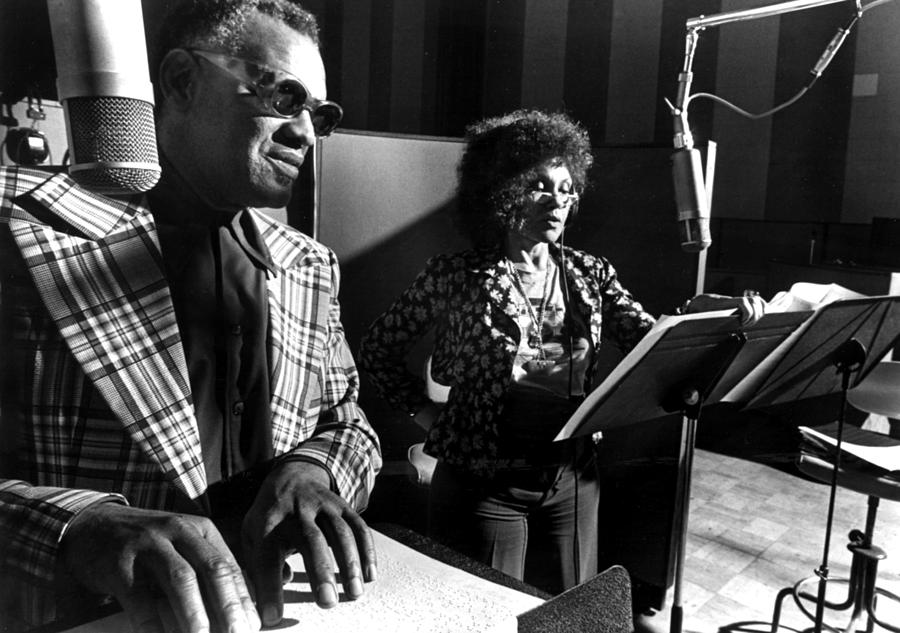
(104, 85)
(691, 200)
(112, 144)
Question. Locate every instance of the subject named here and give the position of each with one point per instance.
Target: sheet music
(787, 318)
(805, 295)
(624, 366)
(802, 296)
(748, 385)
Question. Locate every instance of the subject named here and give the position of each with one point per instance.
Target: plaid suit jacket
(96, 399)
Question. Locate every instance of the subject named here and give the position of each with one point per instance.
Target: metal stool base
(860, 598)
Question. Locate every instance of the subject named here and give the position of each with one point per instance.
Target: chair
(878, 394)
(422, 463)
(601, 604)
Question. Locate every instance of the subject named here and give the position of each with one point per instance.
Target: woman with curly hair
(517, 321)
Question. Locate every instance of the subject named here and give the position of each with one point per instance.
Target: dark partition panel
(384, 209)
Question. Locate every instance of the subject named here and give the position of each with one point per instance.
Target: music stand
(680, 370)
(843, 339)
(700, 361)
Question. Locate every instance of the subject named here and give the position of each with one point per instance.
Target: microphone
(104, 85)
(691, 200)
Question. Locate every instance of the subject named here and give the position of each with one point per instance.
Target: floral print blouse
(468, 298)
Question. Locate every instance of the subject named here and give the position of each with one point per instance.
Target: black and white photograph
(449, 316)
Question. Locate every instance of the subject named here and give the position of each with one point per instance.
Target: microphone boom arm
(682, 137)
(718, 19)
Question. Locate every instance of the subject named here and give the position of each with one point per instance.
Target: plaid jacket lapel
(299, 303)
(96, 263)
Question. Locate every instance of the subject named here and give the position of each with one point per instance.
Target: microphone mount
(682, 134)
(683, 137)
(693, 191)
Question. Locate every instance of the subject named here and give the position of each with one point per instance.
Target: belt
(548, 456)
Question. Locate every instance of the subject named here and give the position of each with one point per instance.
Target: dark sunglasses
(280, 92)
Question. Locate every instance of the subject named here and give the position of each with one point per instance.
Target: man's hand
(295, 510)
(157, 564)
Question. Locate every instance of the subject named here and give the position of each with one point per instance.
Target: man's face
(242, 154)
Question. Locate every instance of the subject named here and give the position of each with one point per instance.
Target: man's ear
(178, 78)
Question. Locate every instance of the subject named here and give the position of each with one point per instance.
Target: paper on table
(878, 449)
(413, 594)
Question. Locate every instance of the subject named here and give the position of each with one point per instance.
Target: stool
(862, 591)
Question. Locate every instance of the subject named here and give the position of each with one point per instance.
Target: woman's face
(550, 199)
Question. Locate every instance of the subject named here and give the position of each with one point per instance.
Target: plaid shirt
(96, 398)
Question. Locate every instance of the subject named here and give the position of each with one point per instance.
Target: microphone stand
(698, 200)
(848, 358)
(683, 140)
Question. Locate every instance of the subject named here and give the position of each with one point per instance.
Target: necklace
(535, 339)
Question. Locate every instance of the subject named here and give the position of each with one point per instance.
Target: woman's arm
(387, 342)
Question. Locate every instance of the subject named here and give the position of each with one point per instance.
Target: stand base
(861, 598)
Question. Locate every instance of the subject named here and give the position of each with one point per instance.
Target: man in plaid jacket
(178, 399)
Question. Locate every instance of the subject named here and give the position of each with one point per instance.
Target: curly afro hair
(500, 163)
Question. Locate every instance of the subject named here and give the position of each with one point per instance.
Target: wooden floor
(755, 529)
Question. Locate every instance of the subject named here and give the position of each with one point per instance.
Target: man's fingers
(139, 605)
(166, 615)
(247, 603)
(218, 577)
(265, 568)
(174, 576)
(319, 565)
(296, 510)
(344, 545)
(365, 546)
(200, 580)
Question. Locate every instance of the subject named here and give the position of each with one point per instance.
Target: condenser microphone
(691, 200)
(104, 85)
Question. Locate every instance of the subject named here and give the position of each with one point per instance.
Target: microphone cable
(816, 72)
(568, 306)
(576, 546)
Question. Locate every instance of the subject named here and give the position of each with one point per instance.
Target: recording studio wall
(431, 66)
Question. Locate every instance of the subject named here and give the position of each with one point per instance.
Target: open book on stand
(777, 358)
(809, 296)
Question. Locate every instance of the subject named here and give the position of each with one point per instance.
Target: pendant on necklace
(538, 366)
(535, 342)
